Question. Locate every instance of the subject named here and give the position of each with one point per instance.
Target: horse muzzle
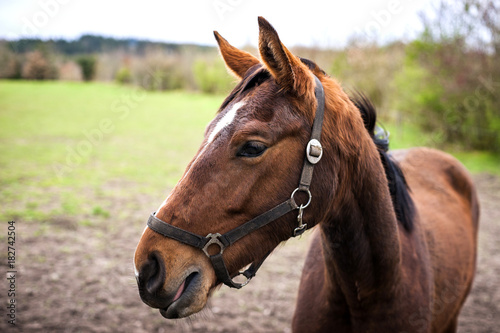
(176, 290)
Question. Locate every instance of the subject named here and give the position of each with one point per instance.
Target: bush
(88, 66)
(10, 65)
(212, 77)
(366, 68)
(38, 67)
(123, 76)
(158, 72)
(11, 68)
(449, 83)
(69, 71)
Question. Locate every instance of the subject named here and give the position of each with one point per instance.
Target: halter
(314, 152)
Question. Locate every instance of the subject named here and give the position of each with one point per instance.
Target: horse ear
(287, 69)
(236, 60)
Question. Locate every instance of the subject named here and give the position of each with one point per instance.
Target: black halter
(314, 152)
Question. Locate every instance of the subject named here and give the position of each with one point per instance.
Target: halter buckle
(314, 151)
(213, 239)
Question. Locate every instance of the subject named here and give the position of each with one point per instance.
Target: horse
(394, 249)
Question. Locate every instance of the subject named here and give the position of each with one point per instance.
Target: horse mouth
(183, 298)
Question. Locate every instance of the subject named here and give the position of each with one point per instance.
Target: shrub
(450, 84)
(69, 71)
(38, 67)
(211, 76)
(11, 68)
(158, 72)
(123, 76)
(368, 69)
(88, 67)
(10, 65)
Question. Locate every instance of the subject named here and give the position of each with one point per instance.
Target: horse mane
(398, 187)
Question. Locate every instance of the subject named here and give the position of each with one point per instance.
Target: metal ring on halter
(247, 278)
(301, 190)
(214, 239)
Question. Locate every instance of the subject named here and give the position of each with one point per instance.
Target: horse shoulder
(447, 217)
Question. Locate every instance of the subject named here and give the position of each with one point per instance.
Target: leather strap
(229, 237)
(258, 222)
(223, 274)
(178, 234)
(308, 168)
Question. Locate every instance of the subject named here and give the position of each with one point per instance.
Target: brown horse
(395, 246)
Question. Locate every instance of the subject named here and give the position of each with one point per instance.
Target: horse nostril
(153, 274)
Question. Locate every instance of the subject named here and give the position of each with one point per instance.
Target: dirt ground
(79, 278)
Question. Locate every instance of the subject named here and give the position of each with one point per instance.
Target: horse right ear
(288, 70)
(236, 60)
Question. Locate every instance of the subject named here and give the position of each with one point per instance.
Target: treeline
(447, 81)
(90, 44)
(152, 65)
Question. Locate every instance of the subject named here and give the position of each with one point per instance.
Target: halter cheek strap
(314, 152)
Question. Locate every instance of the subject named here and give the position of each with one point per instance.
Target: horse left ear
(236, 60)
(288, 71)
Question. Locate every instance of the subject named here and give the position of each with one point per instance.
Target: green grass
(408, 135)
(96, 131)
(61, 141)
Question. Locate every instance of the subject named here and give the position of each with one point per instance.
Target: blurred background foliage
(446, 81)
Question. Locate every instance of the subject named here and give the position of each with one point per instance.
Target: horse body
(382, 259)
(434, 274)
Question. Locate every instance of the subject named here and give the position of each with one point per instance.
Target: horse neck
(359, 235)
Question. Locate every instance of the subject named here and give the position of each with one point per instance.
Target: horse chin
(191, 297)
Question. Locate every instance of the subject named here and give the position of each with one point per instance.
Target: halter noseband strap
(314, 152)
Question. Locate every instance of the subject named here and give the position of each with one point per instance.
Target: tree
(38, 67)
(88, 66)
(456, 74)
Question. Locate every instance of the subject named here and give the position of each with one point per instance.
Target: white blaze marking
(225, 121)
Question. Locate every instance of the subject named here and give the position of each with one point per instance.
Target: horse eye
(252, 149)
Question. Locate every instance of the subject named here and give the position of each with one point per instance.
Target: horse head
(250, 160)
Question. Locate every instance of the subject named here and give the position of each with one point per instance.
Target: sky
(299, 23)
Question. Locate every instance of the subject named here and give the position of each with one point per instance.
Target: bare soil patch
(75, 277)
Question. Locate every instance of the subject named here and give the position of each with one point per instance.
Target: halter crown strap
(314, 152)
(314, 149)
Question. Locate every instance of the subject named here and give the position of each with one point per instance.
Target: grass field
(64, 144)
(60, 140)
